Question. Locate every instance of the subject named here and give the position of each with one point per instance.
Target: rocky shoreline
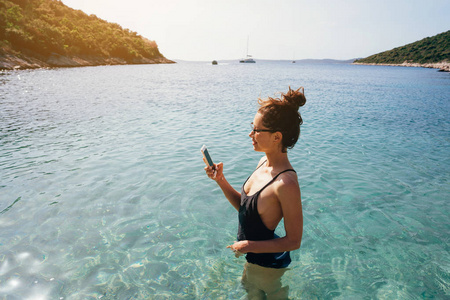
(442, 66)
(10, 60)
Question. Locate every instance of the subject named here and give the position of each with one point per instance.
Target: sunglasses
(260, 130)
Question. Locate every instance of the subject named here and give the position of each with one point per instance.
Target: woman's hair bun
(295, 98)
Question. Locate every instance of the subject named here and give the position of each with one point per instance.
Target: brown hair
(281, 114)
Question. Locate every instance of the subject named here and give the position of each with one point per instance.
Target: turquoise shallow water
(103, 193)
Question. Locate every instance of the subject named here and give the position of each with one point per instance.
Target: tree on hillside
(49, 26)
(429, 50)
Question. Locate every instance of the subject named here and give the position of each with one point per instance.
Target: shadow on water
(10, 206)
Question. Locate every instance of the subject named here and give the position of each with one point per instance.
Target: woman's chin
(256, 148)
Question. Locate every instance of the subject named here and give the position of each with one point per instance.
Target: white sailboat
(249, 58)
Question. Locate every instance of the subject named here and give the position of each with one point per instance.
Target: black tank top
(252, 228)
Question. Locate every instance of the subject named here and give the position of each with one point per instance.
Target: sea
(103, 193)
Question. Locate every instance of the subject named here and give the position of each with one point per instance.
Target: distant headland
(430, 52)
(47, 33)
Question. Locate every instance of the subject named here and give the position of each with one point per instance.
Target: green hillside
(429, 50)
(40, 29)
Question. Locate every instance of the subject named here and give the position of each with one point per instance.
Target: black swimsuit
(252, 228)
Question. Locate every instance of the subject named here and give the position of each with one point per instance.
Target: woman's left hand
(239, 248)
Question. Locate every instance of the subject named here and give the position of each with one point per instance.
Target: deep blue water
(103, 193)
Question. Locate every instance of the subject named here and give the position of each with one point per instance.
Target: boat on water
(247, 60)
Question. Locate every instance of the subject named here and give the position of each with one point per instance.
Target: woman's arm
(216, 174)
(288, 194)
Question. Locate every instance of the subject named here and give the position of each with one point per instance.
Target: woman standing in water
(270, 193)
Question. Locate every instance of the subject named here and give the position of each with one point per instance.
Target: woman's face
(262, 140)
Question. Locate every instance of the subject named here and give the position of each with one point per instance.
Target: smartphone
(205, 153)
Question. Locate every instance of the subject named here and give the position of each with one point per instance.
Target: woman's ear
(278, 136)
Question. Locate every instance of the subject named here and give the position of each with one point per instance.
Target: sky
(204, 30)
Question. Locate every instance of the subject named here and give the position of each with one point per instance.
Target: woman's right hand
(215, 172)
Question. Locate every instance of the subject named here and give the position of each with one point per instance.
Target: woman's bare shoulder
(287, 184)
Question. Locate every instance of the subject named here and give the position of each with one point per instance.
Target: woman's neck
(277, 160)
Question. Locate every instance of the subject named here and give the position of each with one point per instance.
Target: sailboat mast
(247, 44)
